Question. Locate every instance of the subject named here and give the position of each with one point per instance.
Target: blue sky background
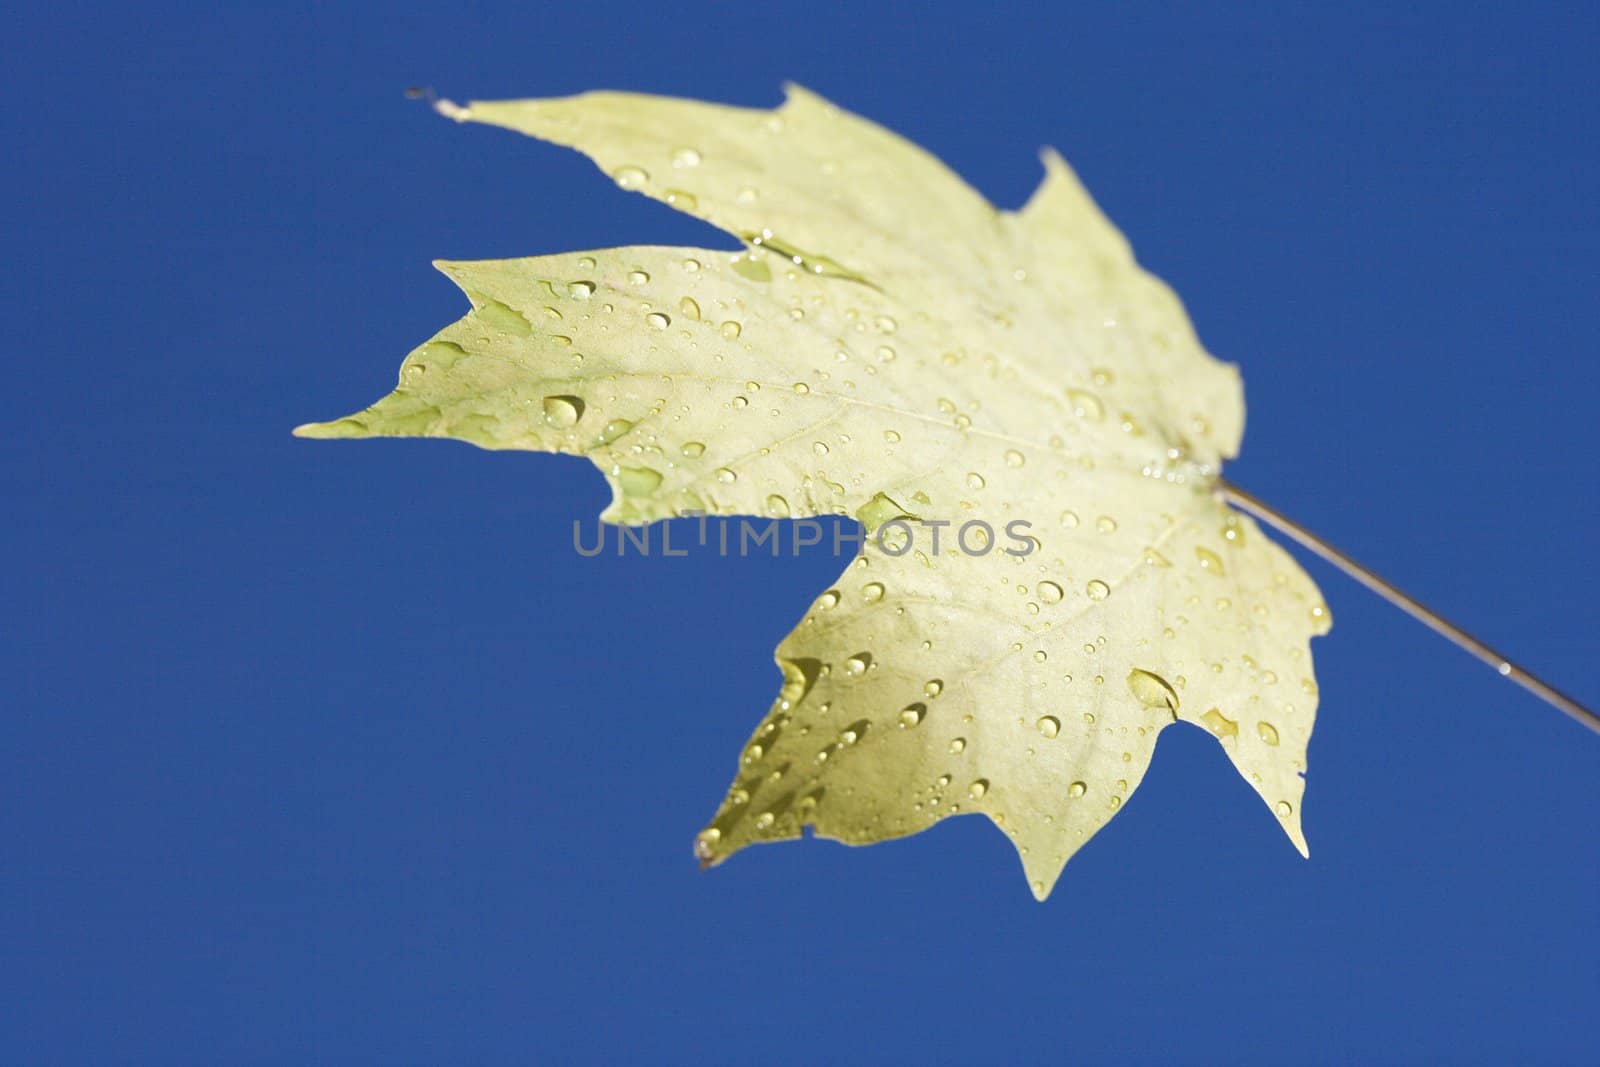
(326, 752)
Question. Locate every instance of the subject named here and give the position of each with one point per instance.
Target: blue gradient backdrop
(320, 752)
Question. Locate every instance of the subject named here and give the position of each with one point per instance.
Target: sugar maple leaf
(889, 346)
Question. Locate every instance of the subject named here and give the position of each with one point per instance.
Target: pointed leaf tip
(349, 426)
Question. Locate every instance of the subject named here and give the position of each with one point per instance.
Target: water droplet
(1220, 724)
(1152, 690)
(801, 389)
(630, 177)
(613, 430)
(886, 324)
(657, 320)
(1014, 458)
(765, 820)
(503, 317)
(1284, 809)
(1077, 789)
(978, 788)
(751, 268)
(638, 277)
(693, 449)
(563, 412)
(638, 481)
(684, 158)
(891, 436)
(1086, 405)
(731, 329)
(580, 290)
(958, 745)
(913, 715)
(873, 591)
(828, 600)
(1156, 559)
(1049, 725)
(1267, 732)
(975, 480)
(1209, 560)
(690, 309)
(1096, 589)
(1050, 592)
(858, 663)
(1069, 520)
(705, 844)
(1106, 524)
(726, 476)
(777, 506)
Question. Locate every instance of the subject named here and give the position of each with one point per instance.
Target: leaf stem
(1432, 619)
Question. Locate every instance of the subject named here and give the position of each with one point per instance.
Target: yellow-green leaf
(889, 346)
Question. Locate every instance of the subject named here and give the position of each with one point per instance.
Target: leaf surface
(891, 347)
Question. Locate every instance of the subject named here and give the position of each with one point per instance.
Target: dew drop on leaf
(563, 412)
(1086, 405)
(1152, 690)
(630, 177)
(613, 430)
(1219, 724)
(638, 481)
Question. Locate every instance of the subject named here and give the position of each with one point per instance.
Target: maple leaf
(889, 346)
